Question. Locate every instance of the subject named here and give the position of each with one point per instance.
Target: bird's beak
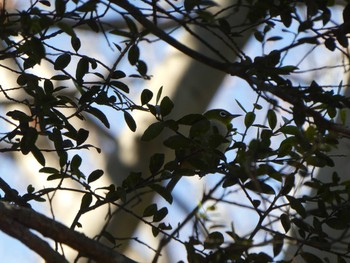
(235, 115)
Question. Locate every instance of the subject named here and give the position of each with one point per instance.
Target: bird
(208, 139)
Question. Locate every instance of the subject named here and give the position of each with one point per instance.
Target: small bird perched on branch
(208, 141)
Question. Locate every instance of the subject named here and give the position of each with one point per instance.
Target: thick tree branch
(23, 234)
(24, 219)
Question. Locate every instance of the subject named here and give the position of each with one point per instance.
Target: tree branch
(24, 219)
(23, 234)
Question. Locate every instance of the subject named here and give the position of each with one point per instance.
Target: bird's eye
(223, 113)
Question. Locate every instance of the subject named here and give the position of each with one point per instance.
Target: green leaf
(63, 156)
(131, 24)
(166, 106)
(75, 42)
(159, 94)
(39, 199)
(132, 180)
(284, 218)
(62, 61)
(274, 38)
(152, 131)
(191, 119)
(154, 109)
(120, 85)
(28, 140)
(256, 203)
(146, 96)
(54, 177)
(337, 223)
(45, 3)
(155, 231)
(296, 205)
(87, 7)
(156, 162)
(260, 187)
(76, 162)
(99, 115)
(37, 50)
(112, 194)
(176, 142)
(330, 44)
(288, 184)
(286, 18)
(130, 121)
(82, 135)
(121, 193)
(82, 68)
(60, 77)
(30, 62)
(30, 189)
(259, 36)
(342, 38)
(289, 129)
(150, 210)
(142, 67)
(286, 70)
(272, 119)
(93, 25)
(214, 240)
(160, 214)
(257, 106)
(133, 54)
(86, 201)
(48, 170)
(163, 226)
(118, 74)
(38, 155)
(48, 87)
(200, 128)
(224, 25)
(277, 244)
(19, 116)
(190, 4)
(163, 192)
(60, 7)
(171, 124)
(241, 106)
(95, 175)
(249, 119)
(66, 29)
(122, 33)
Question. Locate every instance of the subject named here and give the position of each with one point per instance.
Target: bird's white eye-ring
(223, 113)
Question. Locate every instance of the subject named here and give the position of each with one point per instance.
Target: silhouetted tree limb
(17, 222)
